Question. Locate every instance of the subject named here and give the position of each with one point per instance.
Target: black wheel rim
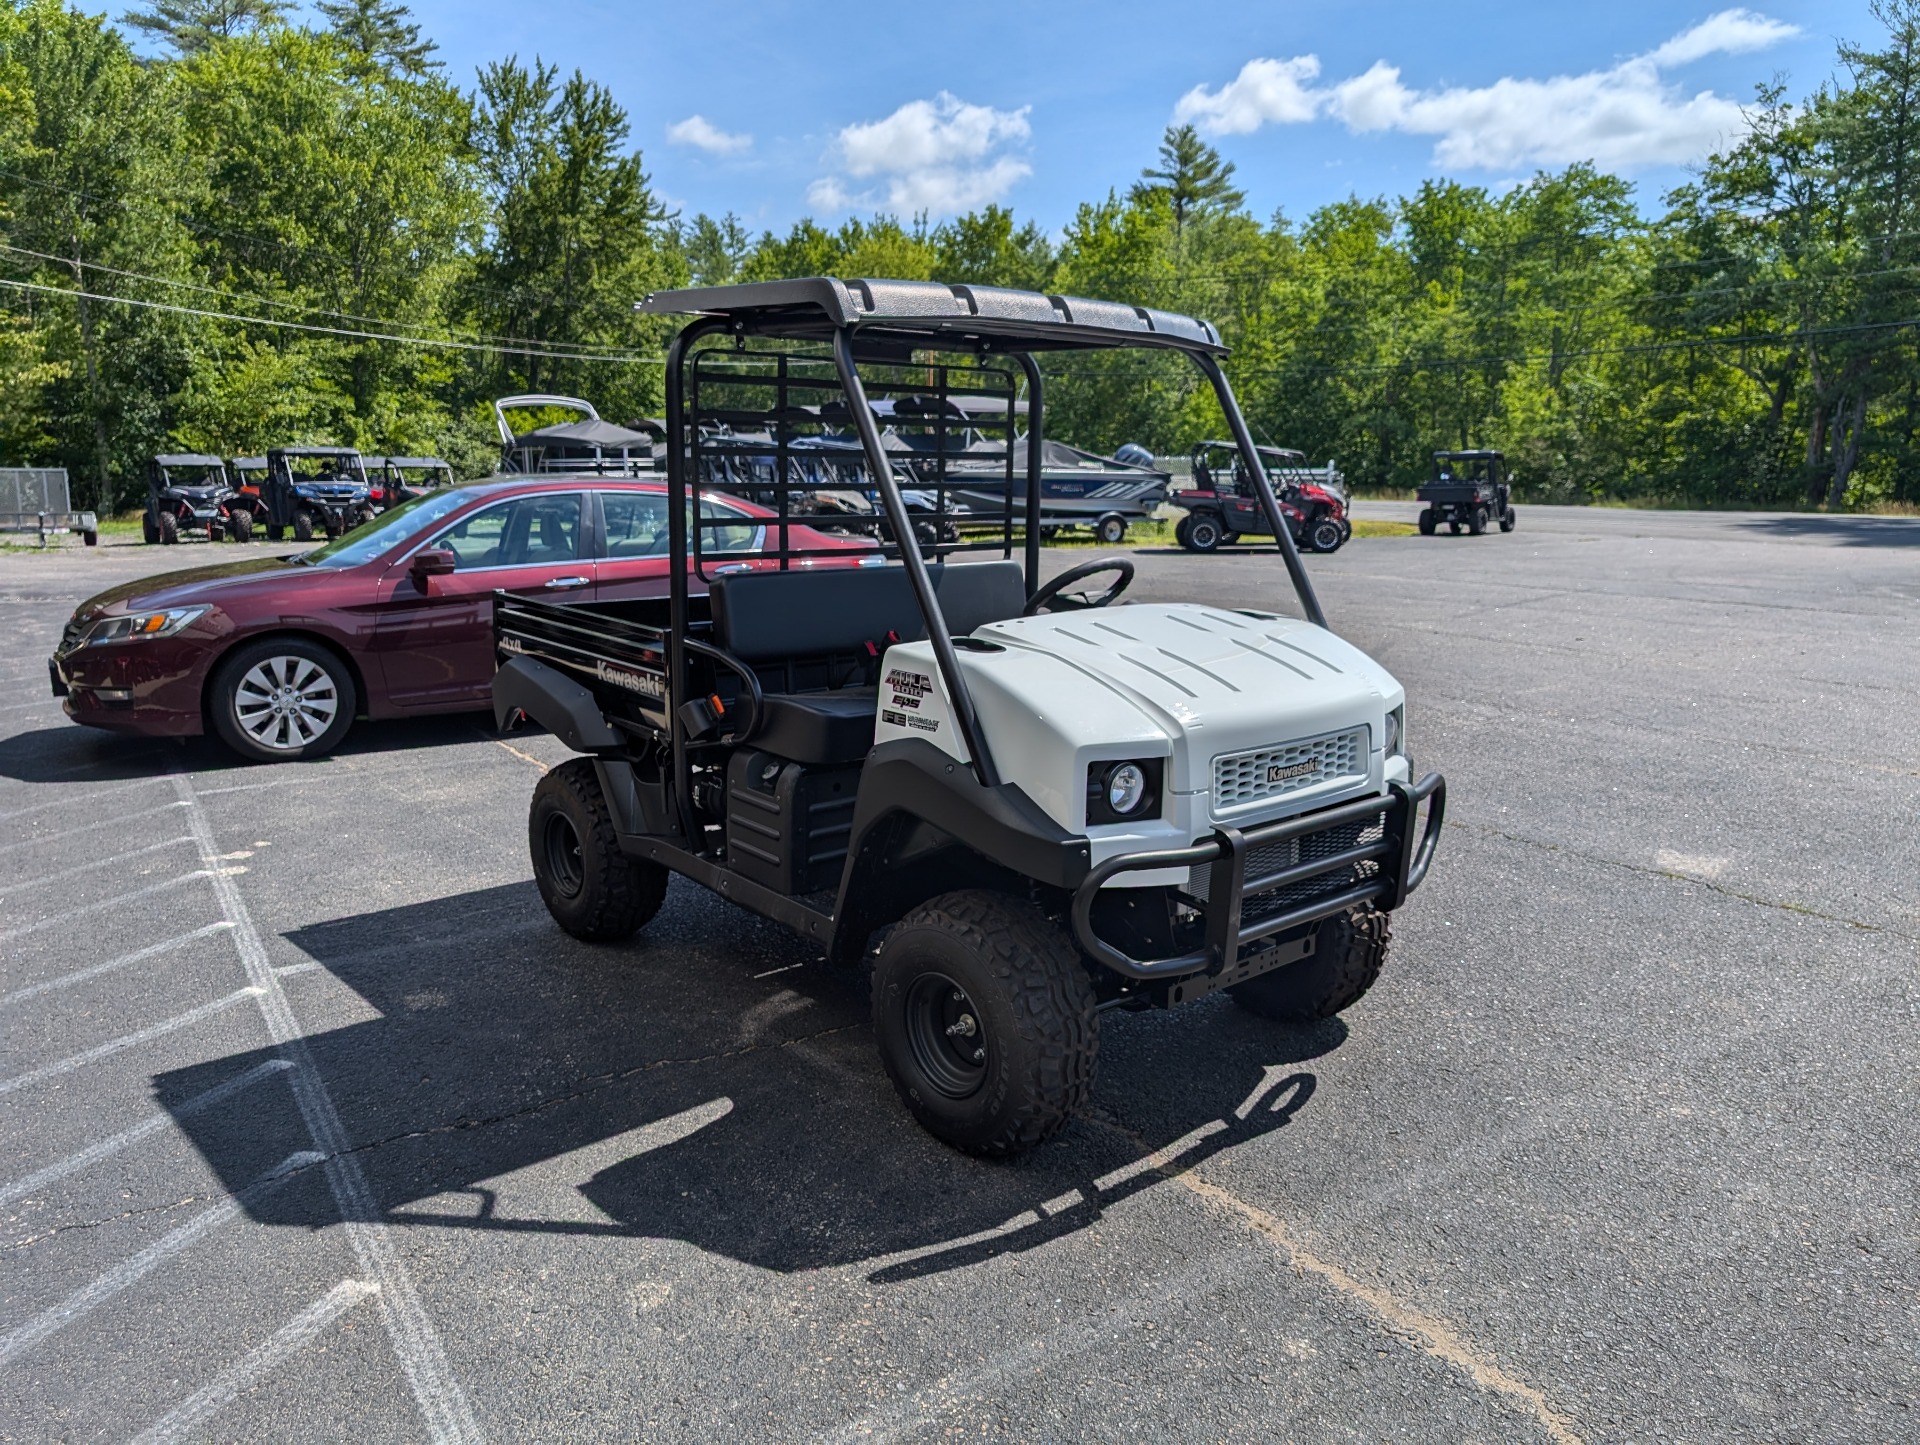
(946, 1036)
(561, 843)
(1204, 534)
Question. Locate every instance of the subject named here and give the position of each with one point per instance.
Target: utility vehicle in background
(1469, 489)
(1225, 503)
(190, 495)
(393, 480)
(1023, 804)
(315, 489)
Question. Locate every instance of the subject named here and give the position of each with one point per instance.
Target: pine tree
(191, 26)
(1192, 176)
(381, 31)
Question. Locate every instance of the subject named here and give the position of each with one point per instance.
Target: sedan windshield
(389, 530)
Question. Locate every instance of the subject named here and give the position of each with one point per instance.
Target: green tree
(92, 180)
(576, 236)
(715, 251)
(380, 33)
(192, 26)
(1191, 177)
(987, 248)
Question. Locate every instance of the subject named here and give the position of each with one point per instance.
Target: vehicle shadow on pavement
(69, 753)
(515, 1080)
(1847, 531)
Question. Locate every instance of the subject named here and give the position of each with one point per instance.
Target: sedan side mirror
(431, 562)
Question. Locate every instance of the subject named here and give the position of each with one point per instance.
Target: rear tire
(168, 527)
(303, 526)
(1508, 520)
(1110, 531)
(1204, 533)
(314, 684)
(986, 1022)
(1429, 524)
(1348, 955)
(149, 529)
(592, 889)
(1477, 523)
(240, 527)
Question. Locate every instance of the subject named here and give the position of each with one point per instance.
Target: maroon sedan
(395, 619)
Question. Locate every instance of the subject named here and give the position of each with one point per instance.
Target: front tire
(986, 1022)
(1477, 524)
(168, 526)
(240, 526)
(303, 526)
(282, 699)
(1348, 954)
(1429, 524)
(1325, 535)
(592, 889)
(1204, 533)
(149, 529)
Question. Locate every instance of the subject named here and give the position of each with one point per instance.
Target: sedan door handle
(562, 584)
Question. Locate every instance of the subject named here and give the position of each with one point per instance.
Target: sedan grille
(1260, 776)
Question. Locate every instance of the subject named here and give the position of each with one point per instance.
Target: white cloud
(702, 134)
(1263, 91)
(1621, 118)
(940, 155)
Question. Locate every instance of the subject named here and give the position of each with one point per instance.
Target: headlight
(144, 626)
(1121, 791)
(1397, 733)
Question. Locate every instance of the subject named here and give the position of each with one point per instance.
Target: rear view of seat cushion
(770, 616)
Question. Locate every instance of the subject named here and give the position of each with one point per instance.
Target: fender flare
(563, 707)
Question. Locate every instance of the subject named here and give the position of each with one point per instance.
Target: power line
(596, 353)
(324, 330)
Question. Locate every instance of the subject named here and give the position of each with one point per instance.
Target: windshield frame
(393, 530)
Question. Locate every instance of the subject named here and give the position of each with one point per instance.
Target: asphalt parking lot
(312, 1124)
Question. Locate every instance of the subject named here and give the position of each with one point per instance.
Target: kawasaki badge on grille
(1277, 773)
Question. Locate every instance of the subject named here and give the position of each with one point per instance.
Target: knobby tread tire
(619, 895)
(1348, 956)
(1041, 1076)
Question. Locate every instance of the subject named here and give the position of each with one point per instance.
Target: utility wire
(631, 358)
(596, 353)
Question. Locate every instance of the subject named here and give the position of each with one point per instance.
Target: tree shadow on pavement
(517, 1080)
(1843, 530)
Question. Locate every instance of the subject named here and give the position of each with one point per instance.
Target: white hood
(1186, 683)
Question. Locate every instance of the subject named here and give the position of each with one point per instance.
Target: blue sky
(777, 110)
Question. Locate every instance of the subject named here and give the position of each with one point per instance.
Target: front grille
(1272, 857)
(71, 634)
(1260, 776)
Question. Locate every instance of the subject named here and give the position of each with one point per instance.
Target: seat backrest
(821, 612)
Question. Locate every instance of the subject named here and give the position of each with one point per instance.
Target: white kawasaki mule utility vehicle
(1039, 805)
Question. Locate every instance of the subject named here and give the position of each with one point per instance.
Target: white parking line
(125, 1041)
(20, 995)
(29, 884)
(130, 1271)
(107, 1148)
(203, 1404)
(114, 821)
(72, 913)
(63, 802)
(423, 1359)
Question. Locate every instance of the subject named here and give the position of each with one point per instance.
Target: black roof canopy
(935, 314)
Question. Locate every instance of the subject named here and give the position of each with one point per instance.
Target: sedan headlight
(144, 626)
(1119, 792)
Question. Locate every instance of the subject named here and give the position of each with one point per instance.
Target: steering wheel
(1049, 598)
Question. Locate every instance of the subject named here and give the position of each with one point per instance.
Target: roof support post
(1282, 534)
(1036, 463)
(678, 504)
(909, 545)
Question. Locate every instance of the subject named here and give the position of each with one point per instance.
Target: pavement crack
(72, 1225)
(1669, 875)
(1408, 1322)
(591, 1085)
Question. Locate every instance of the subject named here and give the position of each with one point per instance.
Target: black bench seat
(834, 624)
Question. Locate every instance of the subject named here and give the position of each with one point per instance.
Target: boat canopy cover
(590, 433)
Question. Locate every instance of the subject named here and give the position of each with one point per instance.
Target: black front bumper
(1263, 881)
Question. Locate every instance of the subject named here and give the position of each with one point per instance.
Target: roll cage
(768, 356)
